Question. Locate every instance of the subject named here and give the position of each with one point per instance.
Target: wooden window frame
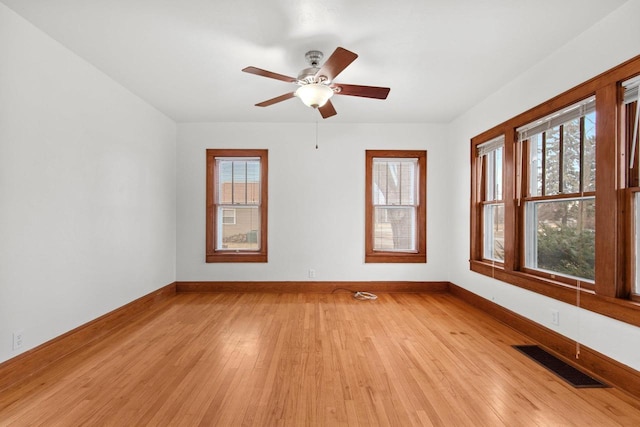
(610, 293)
(376, 256)
(213, 255)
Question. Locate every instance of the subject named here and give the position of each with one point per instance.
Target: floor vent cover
(565, 371)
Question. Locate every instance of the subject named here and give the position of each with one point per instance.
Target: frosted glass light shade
(314, 95)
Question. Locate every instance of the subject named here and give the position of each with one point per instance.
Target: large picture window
(395, 206)
(236, 206)
(566, 221)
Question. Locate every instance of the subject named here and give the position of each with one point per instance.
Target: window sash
(493, 245)
(571, 175)
(631, 95)
(533, 233)
(394, 230)
(241, 235)
(238, 180)
(395, 181)
(490, 155)
(493, 174)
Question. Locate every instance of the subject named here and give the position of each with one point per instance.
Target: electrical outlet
(555, 317)
(312, 273)
(18, 339)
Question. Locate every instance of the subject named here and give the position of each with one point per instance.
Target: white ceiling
(439, 57)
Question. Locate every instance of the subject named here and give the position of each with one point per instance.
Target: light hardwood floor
(263, 359)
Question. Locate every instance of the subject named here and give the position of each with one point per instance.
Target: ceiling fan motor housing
(308, 75)
(313, 57)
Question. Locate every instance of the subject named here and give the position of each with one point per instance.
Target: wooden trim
(213, 255)
(312, 287)
(623, 310)
(509, 169)
(582, 91)
(596, 364)
(420, 256)
(607, 281)
(35, 360)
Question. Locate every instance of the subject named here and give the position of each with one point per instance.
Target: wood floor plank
(270, 359)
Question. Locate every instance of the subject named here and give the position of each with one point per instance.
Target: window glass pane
(498, 174)
(493, 175)
(243, 234)
(535, 165)
(571, 156)
(239, 181)
(589, 162)
(394, 182)
(494, 232)
(380, 182)
(225, 174)
(561, 237)
(489, 170)
(394, 229)
(552, 161)
(253, 182)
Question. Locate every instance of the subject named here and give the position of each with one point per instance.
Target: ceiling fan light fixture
(314, 95)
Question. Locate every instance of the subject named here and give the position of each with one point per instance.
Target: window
(569, 218)
(228, 216)
(395, 205)
(236, 206)
(559, 207)
(490, 157)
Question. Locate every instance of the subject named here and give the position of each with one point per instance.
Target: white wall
(605, 45)
(87, 190)
(316, 200)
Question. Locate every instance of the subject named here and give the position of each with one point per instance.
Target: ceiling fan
(317, 84)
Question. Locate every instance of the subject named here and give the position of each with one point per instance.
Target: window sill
(395, 257)
(620, 309)
(236, 257)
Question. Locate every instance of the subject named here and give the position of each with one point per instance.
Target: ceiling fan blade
(337, 62)
(327, 110)
(271, 75)
(276, 100)
(363, 91)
